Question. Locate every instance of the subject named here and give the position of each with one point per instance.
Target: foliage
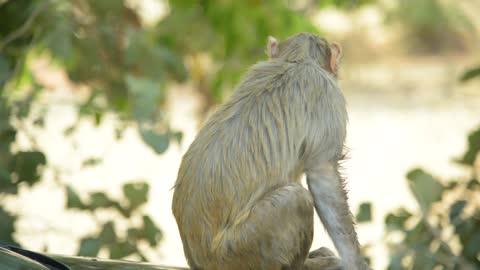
(126, 66)
(432, 25)
(346, 4)
(470, 74)
(364, 213)
(136, 195)
(446, 233)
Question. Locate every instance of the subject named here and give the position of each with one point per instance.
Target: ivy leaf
(136, 193)
(151, 232)
(173, 63)
(396, 263)
(425, 188)
(108, 235)
(473, 183)
(466, 229)
(157, 141)
(7, 227)
(364, 213)
(456, 210)
(121, 250)
(59, 40)
(73, 200)
(472, 150)
(147, 95)
(90, 162)
(472, 246)
(69, 130)
(97, 116)
(396, 220)
(178, 136)
(4, 70)
(423, 259)
(6, 185)
(470, 74)
(89, 247)
(100, 200)
(419, 235)
(26, 166)
(134, 234)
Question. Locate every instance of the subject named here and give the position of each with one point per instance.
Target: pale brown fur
(238, 201)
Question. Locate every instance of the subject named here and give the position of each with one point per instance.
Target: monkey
(238, 201)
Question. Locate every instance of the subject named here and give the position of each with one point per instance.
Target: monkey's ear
(272, 47)
(335, 56)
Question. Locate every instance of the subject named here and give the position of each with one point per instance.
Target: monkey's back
(251, 145)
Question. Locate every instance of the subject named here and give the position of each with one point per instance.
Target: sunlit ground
(404, 112)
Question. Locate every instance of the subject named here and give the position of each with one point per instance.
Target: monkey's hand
(322, 259)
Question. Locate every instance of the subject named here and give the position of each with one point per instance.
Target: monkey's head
(306, 46)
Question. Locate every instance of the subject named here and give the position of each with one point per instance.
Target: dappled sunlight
(119, 127)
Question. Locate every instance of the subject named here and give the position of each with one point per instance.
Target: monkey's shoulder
(284, 75)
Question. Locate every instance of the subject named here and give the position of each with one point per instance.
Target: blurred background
(99, 99)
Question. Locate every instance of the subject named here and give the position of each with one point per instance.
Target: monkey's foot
(322, 259)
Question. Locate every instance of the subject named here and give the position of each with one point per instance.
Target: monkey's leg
(276, 234)
(330, 199)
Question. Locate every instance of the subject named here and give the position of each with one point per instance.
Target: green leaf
(472, 247)
(147, 95)
(151, 232)
(121, 250)
(396, 221)
(136, 193)
(174, 63)
(90, 162)
(157, 141)
(451, 185)
(39, 122)
(134, 234)
(25, 77)
(89, 247)
(107, 7)
(473, 183)
(59, 40)
(456, 210)
(7, 227)
(465, 229)
(218, 85)
(419, 235)
(364, 213)
(69, 130)
(425, 188)
(6, 185)
(423, 259)
(472, 150)
(100, 200)
(470, 74)
(73, 200)
(4, 70)
(108, 235)
(98, 116)
(395, 263)
(178, 136)
(7, 137)
(26, 166)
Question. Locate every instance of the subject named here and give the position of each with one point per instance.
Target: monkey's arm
(330, 199)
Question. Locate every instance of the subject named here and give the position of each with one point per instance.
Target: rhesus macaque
(238, 200)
